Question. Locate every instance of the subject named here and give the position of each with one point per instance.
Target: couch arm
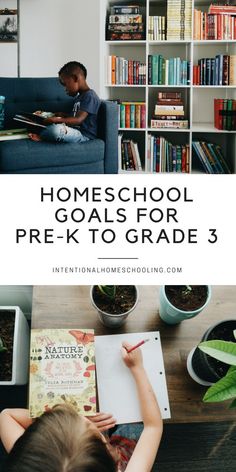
(108, 131)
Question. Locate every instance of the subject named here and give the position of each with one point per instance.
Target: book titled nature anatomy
(62, 370)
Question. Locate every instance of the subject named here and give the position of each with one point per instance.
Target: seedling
(108, 290)
(187, 291)
(2, 347)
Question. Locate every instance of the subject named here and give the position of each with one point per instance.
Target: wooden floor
(198, 447)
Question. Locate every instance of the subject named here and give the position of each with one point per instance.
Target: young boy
(81, 125)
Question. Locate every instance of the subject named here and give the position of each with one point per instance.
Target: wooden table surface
(70, 307)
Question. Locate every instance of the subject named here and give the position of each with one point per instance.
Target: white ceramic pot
(20, 358)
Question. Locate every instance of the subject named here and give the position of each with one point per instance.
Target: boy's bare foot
(34, 137)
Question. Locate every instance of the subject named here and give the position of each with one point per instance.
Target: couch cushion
(23, 155)
(31, 94)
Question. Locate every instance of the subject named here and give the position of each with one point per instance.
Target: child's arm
(69, 120)
(146, 449)
(13, 423)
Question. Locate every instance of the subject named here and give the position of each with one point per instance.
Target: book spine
(132, 116)
(127, 116)
(143, 116)
(225, 78)
(138, 116)
(183, 158)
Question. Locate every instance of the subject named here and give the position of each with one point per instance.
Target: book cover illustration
(62, 370)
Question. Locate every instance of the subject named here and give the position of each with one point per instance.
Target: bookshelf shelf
(167, 130)
(214, 87)
(166, 42)
(168, 86)
(132, 129)
(209, 128)
(124, 86)
(198, 100)
(213, 41)
(126, 43)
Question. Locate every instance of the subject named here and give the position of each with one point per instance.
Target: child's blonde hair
(60, 441)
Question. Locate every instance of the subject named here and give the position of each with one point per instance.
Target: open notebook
(116, 387)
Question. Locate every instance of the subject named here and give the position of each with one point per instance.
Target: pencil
(137, 345)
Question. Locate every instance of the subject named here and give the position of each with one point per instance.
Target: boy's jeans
(60, 133)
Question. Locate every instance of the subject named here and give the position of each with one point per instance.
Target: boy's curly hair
(73, 67)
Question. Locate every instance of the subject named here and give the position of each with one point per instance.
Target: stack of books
(218, 23)
(157, 28)
(211, 157)
(172, 71)
(132, 115)
(125, 22)
(121, 71)
(169, 111)
(220, 70)
(225, 114)
(167, 157)
(179, 20)
(129, 156)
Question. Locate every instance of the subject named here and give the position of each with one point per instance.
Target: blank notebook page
(116, 387)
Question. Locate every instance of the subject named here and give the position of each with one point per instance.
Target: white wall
(53, 32)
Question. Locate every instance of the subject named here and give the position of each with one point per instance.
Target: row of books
(125, 22)
(121, 71)
(214, 26)
(179, 20)
(156, 28)
(167, 157)
(211, 157)
(172, 71)
(132, 115)
(220, 70)
(129, 154)
(124, 25)
(225, 114)
(169, 111)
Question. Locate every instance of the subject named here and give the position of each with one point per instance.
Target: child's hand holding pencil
(132, 357)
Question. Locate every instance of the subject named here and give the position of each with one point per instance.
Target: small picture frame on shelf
(8, 25)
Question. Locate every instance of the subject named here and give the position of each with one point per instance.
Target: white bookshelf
(199, 100)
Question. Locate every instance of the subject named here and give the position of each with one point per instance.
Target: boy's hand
(134, 359)
(54, 119)
(103, 421)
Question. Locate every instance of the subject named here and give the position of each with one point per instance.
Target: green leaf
(222, 390)
(2, 347)
(231, 369)
(224, 351)
(233, 404)
(108, 290)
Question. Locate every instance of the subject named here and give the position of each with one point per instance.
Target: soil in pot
(7, 324)
(124, 300)
(225, 333)
(185, 299)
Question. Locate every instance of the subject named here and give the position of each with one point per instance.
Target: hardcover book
(62, 370)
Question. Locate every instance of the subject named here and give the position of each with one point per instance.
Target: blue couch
(24, 156)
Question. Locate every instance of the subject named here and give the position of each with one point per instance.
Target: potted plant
(14, 346)
(225, 388)
(202, 367)
(180, 302)
(114, 302)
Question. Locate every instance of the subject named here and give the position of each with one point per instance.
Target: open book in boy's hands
(38, 118)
